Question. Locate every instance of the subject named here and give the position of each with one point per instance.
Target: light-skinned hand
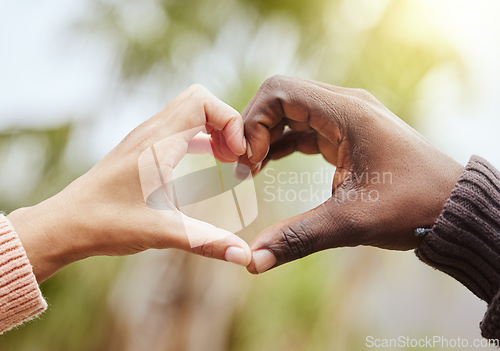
(104, 212)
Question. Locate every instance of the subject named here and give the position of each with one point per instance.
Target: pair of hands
(104, 211)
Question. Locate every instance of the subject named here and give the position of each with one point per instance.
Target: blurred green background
(79, 75)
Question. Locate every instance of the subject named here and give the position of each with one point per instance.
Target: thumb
(210, 241)
(321, 228)
(189, 234)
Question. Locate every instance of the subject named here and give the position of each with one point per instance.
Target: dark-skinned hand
(365, 141)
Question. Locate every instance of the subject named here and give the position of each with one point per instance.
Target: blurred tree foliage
(160, 41)
(48, 171)
(373, 56)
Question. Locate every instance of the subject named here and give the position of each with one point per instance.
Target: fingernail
(249, 151)
(241, 171)
(263, 260)
(244, 143)
(236, 255)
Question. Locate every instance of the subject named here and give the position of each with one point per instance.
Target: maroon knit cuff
(465, 240)
(490, 326)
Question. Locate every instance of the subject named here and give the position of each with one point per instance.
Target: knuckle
(205, 250)
(279, 89)
(274, 82)
(359, 110)
(296, 242)
(251, 126)
(363, 95)
(197, 91)
(196, 88)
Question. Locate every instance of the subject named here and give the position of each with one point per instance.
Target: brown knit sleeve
(20, 297)
(465, 240)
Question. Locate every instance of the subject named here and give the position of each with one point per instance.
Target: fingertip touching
(262, 261)
(238, 255)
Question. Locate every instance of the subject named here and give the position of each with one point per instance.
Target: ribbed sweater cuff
(20, 296)
(465, 240)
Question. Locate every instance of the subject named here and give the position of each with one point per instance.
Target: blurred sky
(45, 74)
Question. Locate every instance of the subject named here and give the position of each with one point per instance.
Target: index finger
(292, 99)
(196, 107)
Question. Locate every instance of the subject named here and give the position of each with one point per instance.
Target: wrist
(44, 232)
(439, 183)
